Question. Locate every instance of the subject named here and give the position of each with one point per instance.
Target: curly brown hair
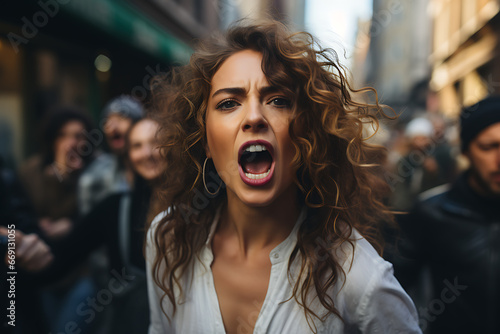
(336, 170)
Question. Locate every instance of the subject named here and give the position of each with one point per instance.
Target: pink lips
(246, 179)
(496, 177)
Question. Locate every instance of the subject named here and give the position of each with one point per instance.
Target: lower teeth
(258, 176)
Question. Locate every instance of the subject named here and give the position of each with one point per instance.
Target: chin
(150, 177)
(258, 199)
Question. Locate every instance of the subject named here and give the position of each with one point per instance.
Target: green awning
(132, 27)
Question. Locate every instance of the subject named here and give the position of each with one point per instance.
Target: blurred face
(115, 129)
(420, 142)
(144, 153)
(484, 156)
(69, 144)
(247, 132)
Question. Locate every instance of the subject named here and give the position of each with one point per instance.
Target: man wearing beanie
(109, 172)
(454, 231)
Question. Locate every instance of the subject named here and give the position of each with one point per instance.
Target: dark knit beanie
(125, 106)
(477, 117)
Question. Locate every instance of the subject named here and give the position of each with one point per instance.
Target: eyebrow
(268, 90)
(241, 91)
(231, 91)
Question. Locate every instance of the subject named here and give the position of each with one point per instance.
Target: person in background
(50, 180)
(51, 177)
(32, 254)
(109, 172)
(118, 222)
(455, 231)
(418, 170)
(444, 153)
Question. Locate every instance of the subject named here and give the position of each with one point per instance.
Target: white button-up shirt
(369, 299)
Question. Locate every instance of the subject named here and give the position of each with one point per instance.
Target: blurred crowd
(446, 192)
(79, 213)
(80, 208)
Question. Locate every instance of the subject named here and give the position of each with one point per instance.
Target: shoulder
(158, 218)
(435, 204)
(435, 193)
(33, 163)
(154, 226)
(31, 174)
(371, 297)
(434, 196)
(97, 175)
(454, 193)
(362, 266)
(100, 164)
(104, 158)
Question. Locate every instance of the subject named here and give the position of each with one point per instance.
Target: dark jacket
(127, 277)
(16, 212)
(456, 233)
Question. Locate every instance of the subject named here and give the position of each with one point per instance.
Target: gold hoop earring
(205, 183)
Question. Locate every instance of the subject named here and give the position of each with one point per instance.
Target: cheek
(219, 147)
(285, 141)
(156, 154)
(488, 162)
(480, 159)
(289, 153)
(134, 158)
(107, 127)
(122, 129)
(81, 143)
(215, 136)
(60, 144)
(123, 126)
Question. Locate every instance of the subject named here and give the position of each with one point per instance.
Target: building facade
(81, 53)
(397, 62)
(85, 52)
(465, 56)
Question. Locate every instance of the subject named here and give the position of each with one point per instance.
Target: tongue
(257, 167)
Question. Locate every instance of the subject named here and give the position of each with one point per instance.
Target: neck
(256, 228)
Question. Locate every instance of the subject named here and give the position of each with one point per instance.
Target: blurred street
(77, 76)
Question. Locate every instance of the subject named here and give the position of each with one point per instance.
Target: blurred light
(102, 63)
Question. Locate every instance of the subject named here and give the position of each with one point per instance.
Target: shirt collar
(279, 254)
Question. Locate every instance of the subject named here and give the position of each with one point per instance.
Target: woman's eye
(280, 102)
(227, 105)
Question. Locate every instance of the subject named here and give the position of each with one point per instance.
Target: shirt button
(276, 255)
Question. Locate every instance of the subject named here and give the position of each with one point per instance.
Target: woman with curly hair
(272, 196)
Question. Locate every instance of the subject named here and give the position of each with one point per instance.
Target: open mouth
(256, 162)
(117, 140)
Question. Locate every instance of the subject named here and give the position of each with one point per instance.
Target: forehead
(491, 133)
(72, 125)
(240, 70)
(144, 129)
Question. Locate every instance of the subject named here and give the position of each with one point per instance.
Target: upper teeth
(256, 148)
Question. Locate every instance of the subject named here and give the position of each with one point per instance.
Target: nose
(72, 140)
(254, 118)
(146, 152)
